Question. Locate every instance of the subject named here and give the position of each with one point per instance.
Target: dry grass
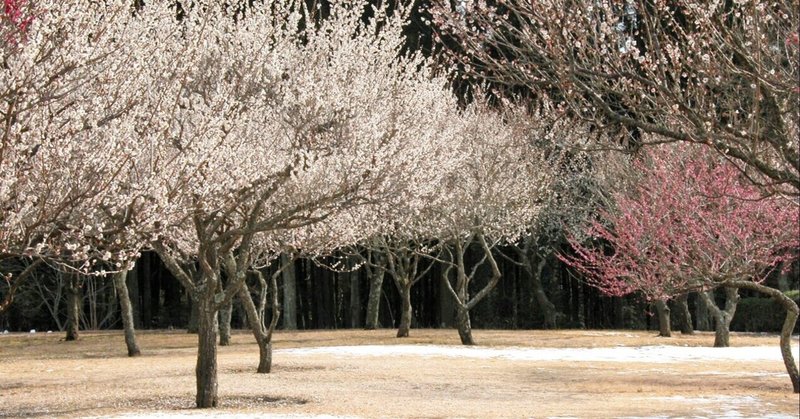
(41, 375)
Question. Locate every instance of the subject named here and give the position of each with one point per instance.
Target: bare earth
(43, 376)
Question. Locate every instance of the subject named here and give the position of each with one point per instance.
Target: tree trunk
(225, 314)
(193, 326)
(147, 293)
(355, 300)
(374, 299)
(701, 313)
(464, 326)
(256, 326)
(206, 369)
(792, 313)
(547, 308)
(446, 299)
(722, 318)
(133, 294)
(289, 294)
(263, 336)
(406, 311)
(664, 327)
(264, 357)
(684, 316)
(126, 312)
(73, 307)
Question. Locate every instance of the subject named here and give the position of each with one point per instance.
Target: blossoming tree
(264, 131)
(723, 74)
(490, 198)
(68, 138)
(691, 222)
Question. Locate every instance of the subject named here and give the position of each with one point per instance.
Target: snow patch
(649, 354)
(221, 415)
(729, 406)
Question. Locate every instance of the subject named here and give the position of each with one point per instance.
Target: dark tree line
(329, 299)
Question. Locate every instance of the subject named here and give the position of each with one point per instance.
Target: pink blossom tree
(690, 221)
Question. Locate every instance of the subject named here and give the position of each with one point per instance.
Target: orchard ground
(352, 373)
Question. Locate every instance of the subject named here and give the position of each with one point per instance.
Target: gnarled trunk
(664, 327)
(255, 319)
(206, 369)
(406, 310)
(126, 312)
(722, 317)
(461, 291)
(792, 313)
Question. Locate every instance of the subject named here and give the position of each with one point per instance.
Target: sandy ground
(372, 374)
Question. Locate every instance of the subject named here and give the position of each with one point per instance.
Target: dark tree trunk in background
(375, 275)
(289, 295)
(722, 317)
(684, 317)
(355, 300)
(664, 327)
(126, 312)
(74, 286)
(225, 314)
(206, 369)
(146, 279)
(701, 313)
(547, 308)
(446, 301)
(133, 292)
(194, 315)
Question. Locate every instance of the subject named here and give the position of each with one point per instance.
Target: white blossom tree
(490, 198)
(69, 137)
(723, 74)
(258, 145)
